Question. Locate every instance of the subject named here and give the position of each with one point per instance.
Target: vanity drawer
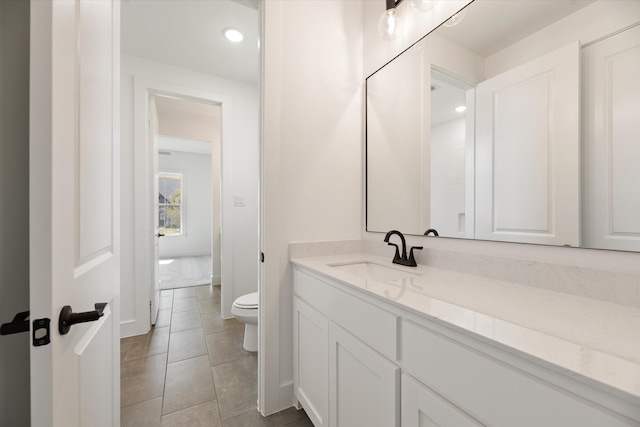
(490, 390)
(373, 325)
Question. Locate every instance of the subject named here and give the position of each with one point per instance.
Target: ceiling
(489, 26)
(185, 125)
(188, 34)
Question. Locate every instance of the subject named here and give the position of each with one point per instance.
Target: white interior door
(153, 136)
(74, 211)
(527, 152)
(611, 102)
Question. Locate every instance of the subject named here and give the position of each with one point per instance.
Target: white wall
(196, 198)
(448, 145)
(243, 168)
(14, 208)
(313, 151)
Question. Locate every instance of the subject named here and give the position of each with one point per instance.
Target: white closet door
(527, 152)
(611, 108)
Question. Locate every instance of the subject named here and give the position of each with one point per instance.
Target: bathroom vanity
(376, 344)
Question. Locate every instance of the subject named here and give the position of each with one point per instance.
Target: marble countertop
(590, 338)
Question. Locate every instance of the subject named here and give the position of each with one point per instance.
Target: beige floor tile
(185, 320)
(236, 387)
(166, 302)
(208, 291)
(189, 383)
(293, 417)
(142, 379)
(212, 322)
(184, 292)
(164, 318)
(133, 347)
(209, 305)
(186, 344)
(253, 419)
(203, 415)
(225, 346)
(158, 341)
(185, 304)
(143, 414)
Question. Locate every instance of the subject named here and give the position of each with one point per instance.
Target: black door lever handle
(17, 325)
(68, 317)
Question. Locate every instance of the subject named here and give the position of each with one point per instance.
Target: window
(170, 203)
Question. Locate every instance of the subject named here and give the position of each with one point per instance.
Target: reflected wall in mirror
(516, 124)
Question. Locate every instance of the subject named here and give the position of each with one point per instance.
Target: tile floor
(181, 272)
(191, 370)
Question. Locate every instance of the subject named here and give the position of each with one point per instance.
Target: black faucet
(431, 231)
(398, 259)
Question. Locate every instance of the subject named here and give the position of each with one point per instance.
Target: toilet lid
(247, 301)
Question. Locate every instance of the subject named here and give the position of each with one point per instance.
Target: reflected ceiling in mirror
(536, 156)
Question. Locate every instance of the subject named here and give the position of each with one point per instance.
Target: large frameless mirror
(514, 121)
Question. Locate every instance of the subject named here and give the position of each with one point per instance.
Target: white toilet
(245, 309)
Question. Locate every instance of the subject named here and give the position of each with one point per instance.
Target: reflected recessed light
(461, 108)
(233, 35)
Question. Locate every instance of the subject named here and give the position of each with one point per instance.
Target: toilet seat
(247, 302)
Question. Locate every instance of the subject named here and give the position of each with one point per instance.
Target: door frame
(143, 205)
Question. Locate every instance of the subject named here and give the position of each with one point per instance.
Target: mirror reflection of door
(611, 150)
(528, 151)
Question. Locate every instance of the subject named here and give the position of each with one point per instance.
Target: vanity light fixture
(423, 5)
(390, 22)
(455, 19)
(233, 35)
(461, 109)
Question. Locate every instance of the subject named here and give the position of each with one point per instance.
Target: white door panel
(527, 152)
(611, 103)
(74, 209)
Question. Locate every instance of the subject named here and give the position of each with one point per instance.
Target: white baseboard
(130, 328)
(216, 280)
(184, 254)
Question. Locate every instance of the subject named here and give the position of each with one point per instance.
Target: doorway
(187, 191)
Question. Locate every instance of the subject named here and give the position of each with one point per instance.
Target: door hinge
(261, 256)
(41, 335)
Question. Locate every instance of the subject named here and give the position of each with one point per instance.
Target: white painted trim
(271, 397)
(187, 254)
(143, 182)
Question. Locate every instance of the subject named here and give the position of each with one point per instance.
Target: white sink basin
(373, 271)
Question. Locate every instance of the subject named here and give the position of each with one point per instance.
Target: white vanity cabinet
(361, 360)
(343, 351)
(311, 361)
(363, 385)
(423, 407)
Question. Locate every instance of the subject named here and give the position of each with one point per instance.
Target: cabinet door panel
(363, 385)
(311, 334)
(422, 407)
(493, 391)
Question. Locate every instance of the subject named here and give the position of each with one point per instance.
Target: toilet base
(250, 337)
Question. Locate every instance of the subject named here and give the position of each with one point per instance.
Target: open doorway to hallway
(187, 168)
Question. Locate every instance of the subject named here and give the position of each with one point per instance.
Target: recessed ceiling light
(461, 108)
(233, 35)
